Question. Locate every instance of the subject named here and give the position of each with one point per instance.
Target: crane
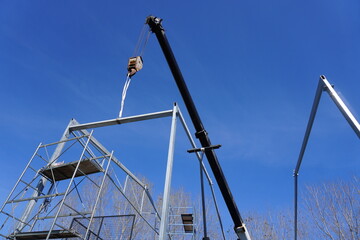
(156, 27)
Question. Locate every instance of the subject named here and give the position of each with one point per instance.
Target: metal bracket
(201, 133)
(203, 149)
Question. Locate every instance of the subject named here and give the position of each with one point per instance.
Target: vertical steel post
(314, 108)
(203, 199)
(166, 196)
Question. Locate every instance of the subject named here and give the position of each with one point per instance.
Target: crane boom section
(156, 27)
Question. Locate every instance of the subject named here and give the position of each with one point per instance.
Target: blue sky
(252, 68)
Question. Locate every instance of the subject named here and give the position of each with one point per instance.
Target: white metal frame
(323, 85)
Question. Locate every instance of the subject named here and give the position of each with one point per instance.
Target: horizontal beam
(34, 198)
(65, 215)
(117, 121)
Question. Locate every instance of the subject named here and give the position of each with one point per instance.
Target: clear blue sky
(251, 66)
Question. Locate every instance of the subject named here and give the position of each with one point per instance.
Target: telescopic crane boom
(239, 227)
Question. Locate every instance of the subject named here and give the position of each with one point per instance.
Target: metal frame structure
(323, 85)
(55, 181)
(179, 227)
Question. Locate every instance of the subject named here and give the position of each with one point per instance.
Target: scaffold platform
(66, 170)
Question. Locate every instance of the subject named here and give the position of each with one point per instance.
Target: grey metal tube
(203, 200)
(117, 121)
(166, 196)
(314, 108)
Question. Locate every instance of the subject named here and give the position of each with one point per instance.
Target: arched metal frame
(323, 85)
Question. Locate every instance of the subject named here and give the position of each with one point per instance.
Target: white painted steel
(117, 121)
(323, 85)
(166, 196)
(342, 107)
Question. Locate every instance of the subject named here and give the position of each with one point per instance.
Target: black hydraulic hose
(201, 134)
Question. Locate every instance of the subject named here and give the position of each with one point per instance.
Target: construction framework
(48, 200)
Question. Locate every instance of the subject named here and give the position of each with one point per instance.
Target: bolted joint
(201, 133)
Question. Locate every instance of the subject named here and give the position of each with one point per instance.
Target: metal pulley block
(135, 64)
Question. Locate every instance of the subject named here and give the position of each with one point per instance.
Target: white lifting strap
(123, 96)
(135, 63)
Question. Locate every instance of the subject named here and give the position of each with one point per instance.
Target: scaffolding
(61, 195)
(55, 192)
(182, 223)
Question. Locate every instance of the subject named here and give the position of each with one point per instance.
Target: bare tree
(182, 202)
(135, 198)
(334, 210)
(270, 226)
(329, 211)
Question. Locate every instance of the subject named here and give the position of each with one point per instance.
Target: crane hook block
(135, 64)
